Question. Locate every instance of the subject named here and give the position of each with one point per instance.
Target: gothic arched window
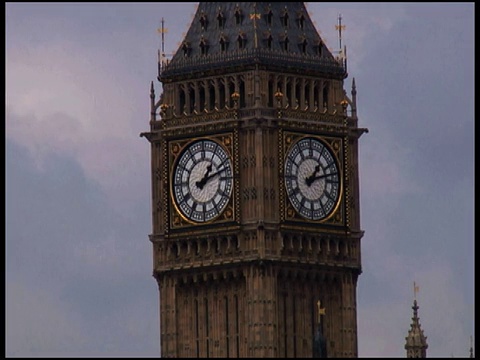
(241, 41)
(186, 49)
(203, 46)
(303, 46)
(269, 41)
(238, 16)
(221, 19)
(285, 43)
(269, 18)
(319, 48)
(301, 21)
(204, 21)
(223, 44)
(284, 18)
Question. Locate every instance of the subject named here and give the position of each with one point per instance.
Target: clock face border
(177, 148)
(335, 145)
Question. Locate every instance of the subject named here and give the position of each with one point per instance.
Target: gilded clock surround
(335, 146)
(176, 148)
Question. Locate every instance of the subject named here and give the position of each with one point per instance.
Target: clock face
(202, 181)
(312, 179)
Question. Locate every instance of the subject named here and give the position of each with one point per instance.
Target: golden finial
(278, 96)
(340, 27)
(235, 97)
(254, 16)
(416, 288)
(162, 31)
(321, 311)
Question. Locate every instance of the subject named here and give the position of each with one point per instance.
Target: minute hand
(214, 174)
(311, 180)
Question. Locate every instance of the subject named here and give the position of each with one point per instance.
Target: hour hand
(310, 179)
(214, 174)
(201, 183)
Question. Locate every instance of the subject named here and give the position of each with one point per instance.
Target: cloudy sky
(78, 259)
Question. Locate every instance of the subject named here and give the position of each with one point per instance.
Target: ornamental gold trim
(176, 149)
(336, 146)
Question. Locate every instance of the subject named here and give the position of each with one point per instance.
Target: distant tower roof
(416, 342)
(225, 35)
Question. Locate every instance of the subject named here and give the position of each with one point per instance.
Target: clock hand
(214, 174)
(309, 180)
(320, 177)
(201, 183)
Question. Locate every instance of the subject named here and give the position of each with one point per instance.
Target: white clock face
(202, 181)
(312, 179)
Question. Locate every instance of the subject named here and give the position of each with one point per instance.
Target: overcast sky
(78, 259)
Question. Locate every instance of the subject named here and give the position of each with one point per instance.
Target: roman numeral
(329, 196)
(321, 206)
(187, 196)
(293, 191)
(331, 181)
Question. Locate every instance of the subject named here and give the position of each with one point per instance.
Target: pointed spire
(152, 91)
(416, 342)
(354, 99)
(152, 102)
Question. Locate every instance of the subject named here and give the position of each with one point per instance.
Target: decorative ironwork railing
(246, 57)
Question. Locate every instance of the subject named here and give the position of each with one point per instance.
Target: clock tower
(255, 188)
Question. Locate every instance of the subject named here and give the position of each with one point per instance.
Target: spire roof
(416, 341)
(224, 34)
